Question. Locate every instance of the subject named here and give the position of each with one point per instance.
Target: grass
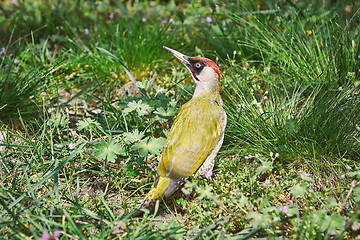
(289, 166)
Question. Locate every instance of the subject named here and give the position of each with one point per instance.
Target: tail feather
(163, 187)
(150, 205)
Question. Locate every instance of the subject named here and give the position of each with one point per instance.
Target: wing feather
(197, 129)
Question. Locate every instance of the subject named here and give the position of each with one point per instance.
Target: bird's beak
(183, 58)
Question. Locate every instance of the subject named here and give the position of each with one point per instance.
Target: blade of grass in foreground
(45, 178)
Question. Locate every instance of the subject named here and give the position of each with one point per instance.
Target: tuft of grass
(303, 129)
(275, 105)
(18, 87)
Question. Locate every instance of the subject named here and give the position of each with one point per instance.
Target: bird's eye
(197, 65)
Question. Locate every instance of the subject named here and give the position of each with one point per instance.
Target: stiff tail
(163, 187)
(156, 192)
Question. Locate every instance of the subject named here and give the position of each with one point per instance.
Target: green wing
(196, 130)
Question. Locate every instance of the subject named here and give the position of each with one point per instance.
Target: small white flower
(72, 145)
(161, 90)
(284, 209)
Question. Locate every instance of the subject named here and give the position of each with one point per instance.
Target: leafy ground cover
(88, 95)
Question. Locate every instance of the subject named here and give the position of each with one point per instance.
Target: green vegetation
(88, 95)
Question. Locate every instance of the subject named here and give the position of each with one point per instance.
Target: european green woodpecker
(196, 134)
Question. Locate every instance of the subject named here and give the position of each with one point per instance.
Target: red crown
(210, 64)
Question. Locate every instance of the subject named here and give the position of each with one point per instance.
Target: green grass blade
(131, 76)
(45, 178)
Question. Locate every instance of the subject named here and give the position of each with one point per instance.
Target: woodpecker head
(205, 73)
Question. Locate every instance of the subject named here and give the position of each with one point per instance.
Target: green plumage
(195, 137)
(196, 131)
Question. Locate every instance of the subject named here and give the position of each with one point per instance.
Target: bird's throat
(203, 90)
